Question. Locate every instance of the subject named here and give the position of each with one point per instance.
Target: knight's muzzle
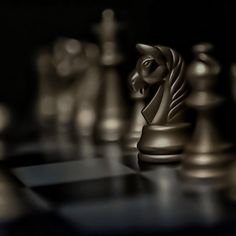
(135, 81)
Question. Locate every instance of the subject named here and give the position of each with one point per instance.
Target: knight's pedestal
(163, 144)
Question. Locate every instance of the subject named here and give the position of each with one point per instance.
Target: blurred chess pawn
(111, 120)
(137, 120)
(87, 94)
(208, 154)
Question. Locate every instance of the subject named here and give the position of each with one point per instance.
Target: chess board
(87, 189)
(61, 84)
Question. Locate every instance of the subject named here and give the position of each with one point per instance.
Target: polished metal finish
(207, 154)
(161, 69)
(137, 121)
(162, 143)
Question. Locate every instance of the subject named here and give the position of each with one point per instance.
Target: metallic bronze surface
(207, 154)
(163, 143)
(137, 121)
(161, 69)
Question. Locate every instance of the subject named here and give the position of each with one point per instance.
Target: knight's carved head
(151, 68)
(163, 67)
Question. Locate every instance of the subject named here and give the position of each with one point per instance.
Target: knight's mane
(176, 81)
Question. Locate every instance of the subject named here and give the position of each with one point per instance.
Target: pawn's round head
(202, 72)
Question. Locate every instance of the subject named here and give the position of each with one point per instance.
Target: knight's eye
(147, 63)
(150, 66)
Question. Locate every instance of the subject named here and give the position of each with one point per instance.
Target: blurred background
(26, 26)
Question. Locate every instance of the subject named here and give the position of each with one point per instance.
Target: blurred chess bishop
(207, 154)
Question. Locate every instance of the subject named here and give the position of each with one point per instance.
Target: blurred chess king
(111, 119)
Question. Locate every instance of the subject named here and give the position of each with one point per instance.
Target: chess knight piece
(137, 121)
(163, 138)
(208, 153)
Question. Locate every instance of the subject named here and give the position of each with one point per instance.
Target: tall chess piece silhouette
(112, 109)
(161, 69)
(208, 153)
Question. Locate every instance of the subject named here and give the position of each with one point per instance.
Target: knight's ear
(145, 49)
(153, 51)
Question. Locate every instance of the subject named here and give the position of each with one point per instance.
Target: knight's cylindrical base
(163, 144)
(159, 158)
(136, 124)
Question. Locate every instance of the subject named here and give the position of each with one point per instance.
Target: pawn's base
(206, 166)
(159, 158)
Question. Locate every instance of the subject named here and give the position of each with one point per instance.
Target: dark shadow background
(28, 25)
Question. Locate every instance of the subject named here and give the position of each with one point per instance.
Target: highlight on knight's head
(151, 51)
